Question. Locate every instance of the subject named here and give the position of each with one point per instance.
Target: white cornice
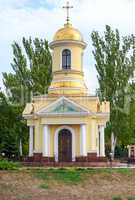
(67, 88)
(75, 114)
(44, 97)
(67, 42)
(28, 116)
(68, 79)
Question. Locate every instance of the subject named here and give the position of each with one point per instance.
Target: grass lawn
(67, 184)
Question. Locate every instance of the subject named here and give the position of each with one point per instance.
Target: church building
(67, 124)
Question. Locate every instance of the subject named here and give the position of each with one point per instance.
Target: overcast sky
(42, 18)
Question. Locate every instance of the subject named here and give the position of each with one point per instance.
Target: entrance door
(65, 146)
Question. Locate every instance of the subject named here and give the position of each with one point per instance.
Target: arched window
(66, 59)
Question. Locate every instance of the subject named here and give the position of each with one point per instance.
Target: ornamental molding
(63, 107)
(58, 43)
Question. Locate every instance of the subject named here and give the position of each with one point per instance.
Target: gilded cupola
(68, 32)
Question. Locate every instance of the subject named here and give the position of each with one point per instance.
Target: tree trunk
(20, 148)
(113, 144)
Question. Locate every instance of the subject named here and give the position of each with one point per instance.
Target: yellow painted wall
(93, 135)
(38, 136)
(76, 57)
(89, 103)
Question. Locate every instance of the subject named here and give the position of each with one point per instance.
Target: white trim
(75, 114)
(54, 44)
(28, 116)
(68, 79)
(105, 115)
(102, 140)
(31, 138)
(60, 123)
(98, 138)
(42, 97)
(46, 141)
(56, 135)
(66, 88)
(129, 151)
(83, 140)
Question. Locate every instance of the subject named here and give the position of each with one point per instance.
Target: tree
(32, 74)
(32, 66)
(115, 64)
(131, 109)
(11, 129)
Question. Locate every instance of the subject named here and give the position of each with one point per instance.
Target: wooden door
(65, 146)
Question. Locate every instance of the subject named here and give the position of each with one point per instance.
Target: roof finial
(67, 7)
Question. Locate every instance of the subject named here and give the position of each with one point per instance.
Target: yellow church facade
(67, 124)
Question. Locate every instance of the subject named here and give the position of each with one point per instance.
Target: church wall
(38, 137)
(89, 104)
(64, 120)
(93, 138)
(88, 128)
(77, 138)
(76, 57)
(52, 130)
(92, 131)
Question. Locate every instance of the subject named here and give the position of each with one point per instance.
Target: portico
(80, 144)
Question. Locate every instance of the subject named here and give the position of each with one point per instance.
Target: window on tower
(66, 59)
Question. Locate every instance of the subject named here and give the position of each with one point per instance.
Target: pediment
(63, 106)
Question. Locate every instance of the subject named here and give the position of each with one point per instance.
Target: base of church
(38, 158)
(131, 160)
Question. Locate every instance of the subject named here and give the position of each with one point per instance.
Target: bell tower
(67, 55)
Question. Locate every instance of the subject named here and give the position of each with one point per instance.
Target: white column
(46, 141)
(129, 151)
(102, 141)
(83, 151)
(98, 140)
(31, 140)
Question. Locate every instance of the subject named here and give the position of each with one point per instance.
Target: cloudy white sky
(42, 18)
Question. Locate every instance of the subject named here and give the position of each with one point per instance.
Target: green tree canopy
(12, 129)
(115, 64)
(32, 67)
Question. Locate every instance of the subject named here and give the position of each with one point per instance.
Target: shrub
(117, 198)
(44, 186)
(8, 165)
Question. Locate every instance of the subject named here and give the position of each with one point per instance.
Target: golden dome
(68, 33)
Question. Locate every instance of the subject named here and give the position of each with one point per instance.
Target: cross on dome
(67, 7)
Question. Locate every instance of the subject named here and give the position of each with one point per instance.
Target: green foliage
(32, 66)
(117, 198)
(12, 129)
(67, 176)
(131, 198)
(115, 64)
(8, 165)
(32, 73)
(44, 186)
(121, 152)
